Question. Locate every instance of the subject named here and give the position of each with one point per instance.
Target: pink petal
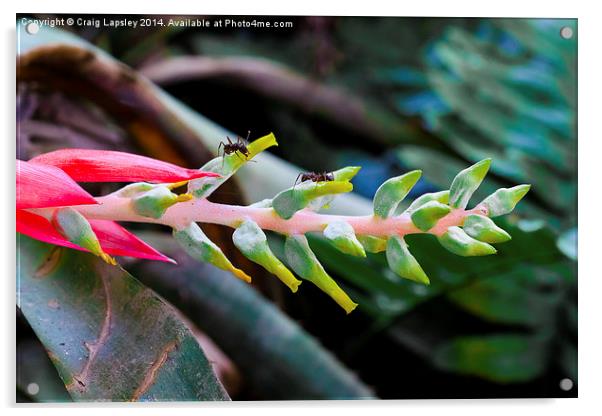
(38, 227)
(41, 186)
(88, 165)
(114, 239)
(118, 241)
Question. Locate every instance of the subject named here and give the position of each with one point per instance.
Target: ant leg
(297, 179)
(241, 158)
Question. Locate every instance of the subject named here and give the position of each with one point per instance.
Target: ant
(314, 177)
(238, 146)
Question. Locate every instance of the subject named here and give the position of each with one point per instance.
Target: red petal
(118, 241)
(40, 186)
(114, 239)
(38, 227)
(88, 165)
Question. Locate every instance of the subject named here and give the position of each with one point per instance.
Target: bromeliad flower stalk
(79, 221)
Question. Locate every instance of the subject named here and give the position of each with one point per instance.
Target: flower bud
(346, 174)
(392, 192)
(403, 263)
(199, 246)
(289, 201)
(76, 228)
(442, 197)
(304, 262)
(484, 229)
(252, 242)
(342, 236)
(466, 183)
(372, 244)
(504, 200)
(460, 243)
(134, 189)
(154, 203)
(426, 216)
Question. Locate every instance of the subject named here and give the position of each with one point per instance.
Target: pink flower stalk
(51, 207)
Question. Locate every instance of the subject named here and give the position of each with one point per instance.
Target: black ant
(314, 177)
(240, 145)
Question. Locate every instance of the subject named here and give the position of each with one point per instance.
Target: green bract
(466, 182)
(504, 200)
(426, 216)
(227, 166)
(442, 197)
(199, 246)
(252, 242)
(392, 192)
(403, 263)
(133, 189)
(346, 174)
(304, 262)
(484, 229)
(287, 202)
(154, 202)
(373, 244)
(342, 236)
(76, 228)
(460, 243)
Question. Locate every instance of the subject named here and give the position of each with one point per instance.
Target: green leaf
(427, 215)
(342, 236)
(525, 296)
(250, 330)
(484, 229)
(503, 201)
(304, 262)
(252, 242)
(392, 192)
(460, 243)
(109, 337)
(403, 263)
(466, 183)
(201, 248)
(500, 358)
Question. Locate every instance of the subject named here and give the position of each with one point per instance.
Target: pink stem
(203, 211)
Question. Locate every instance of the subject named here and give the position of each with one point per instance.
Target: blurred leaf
(109, 337)
(278, 358)
(526, 295)
(507, 91)
(500, 358)
(567, 243)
